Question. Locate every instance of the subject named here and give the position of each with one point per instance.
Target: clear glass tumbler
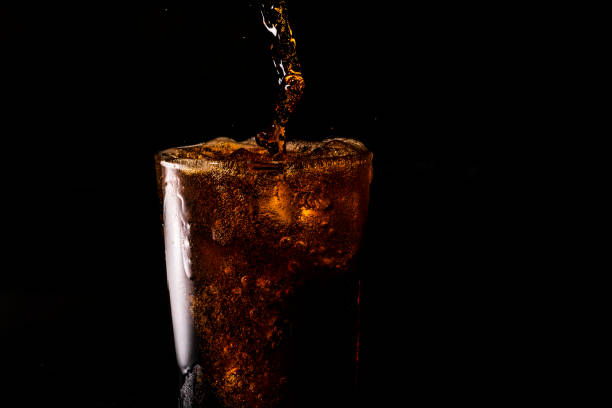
(258, 256)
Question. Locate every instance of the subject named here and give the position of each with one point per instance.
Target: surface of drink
(258, 254)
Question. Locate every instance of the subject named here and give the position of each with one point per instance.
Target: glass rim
(293, 159)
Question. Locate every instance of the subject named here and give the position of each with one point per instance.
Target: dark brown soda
(259, 254)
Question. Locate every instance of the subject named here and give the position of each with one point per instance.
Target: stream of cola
(289, 73)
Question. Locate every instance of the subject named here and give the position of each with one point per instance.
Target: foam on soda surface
(224, 150)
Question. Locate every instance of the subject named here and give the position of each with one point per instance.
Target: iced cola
(258, 256)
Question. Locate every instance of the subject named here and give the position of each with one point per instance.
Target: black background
(94, 89)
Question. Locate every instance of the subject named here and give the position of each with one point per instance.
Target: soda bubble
(300, 245)
(285, 242)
